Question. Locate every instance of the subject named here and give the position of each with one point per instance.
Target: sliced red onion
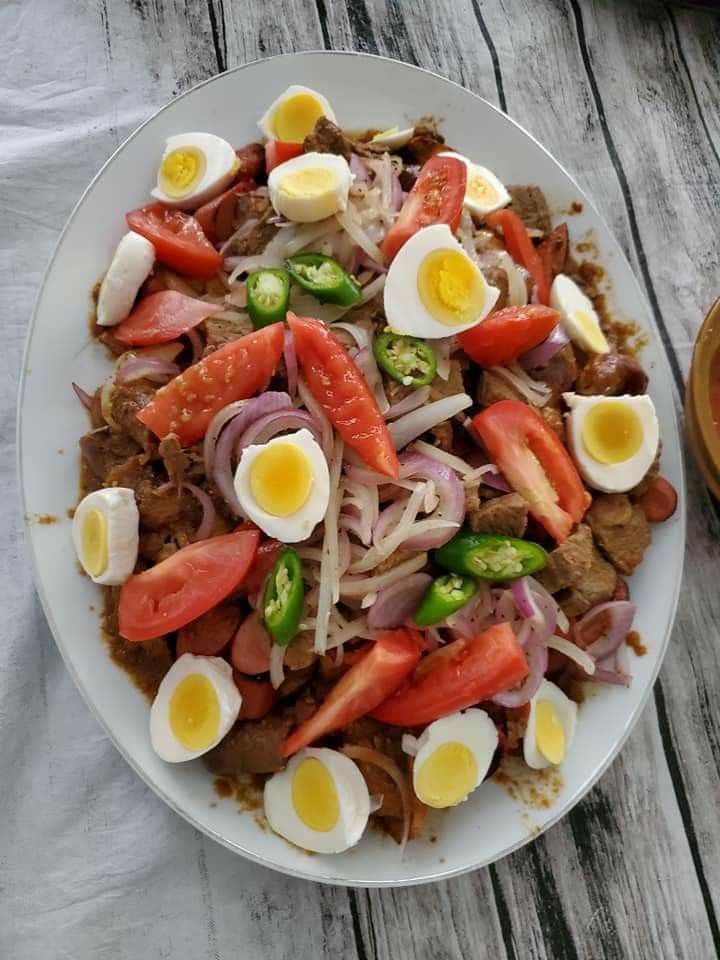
(146, 368)
(614, 677)
(451, 493)
(413, 424)
(396, 193)
(395, 604)
(362, 174)
(196, 344)
(291, 366)
(208, 511)
(83, 396)
(621, 614)
(409, 403)
(496, 481)
(537, 656)
(265, 428)
(541, 355)
(376, 799)
(277, 661)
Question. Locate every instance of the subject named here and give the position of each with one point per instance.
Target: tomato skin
(258, 696)
(209, 634)
(659, 500)
(250, 651)
(278, 151)
(535, 463)
(521, 249)
(186, 405)
(178, 240)
(162, 317)
(506, 334)
(216, 216)
(185, 586)
(436, 197)
(341, 390)
(265, 559)
(480, 668)
(367, 683)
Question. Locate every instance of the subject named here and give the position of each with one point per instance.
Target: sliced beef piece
(175, 461)
(569, 562)
(560, 373)
(103, 450)
(327, 138)
(126, 401)
(494, 387)
(611, 374)
(620, 529)
(159, 504)
(221, 330)
(394, 560)
(597, 586)
(251, 747)
(424, 143)
(252, 207)
(505, 516)
(497, 277)
(554, 250)
(554, 419)
(530, 205)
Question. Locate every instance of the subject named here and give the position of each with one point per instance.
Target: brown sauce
(534, 789)
(44, 519)
(634, 641)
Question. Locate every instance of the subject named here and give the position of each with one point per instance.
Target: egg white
(118, 507)
(314, 207)
(220, 675)
(299, 525)
(130, 266)
(394, 138)
(266, 122)
(612, 477)
(353, 802)
(566, 711)
(404, 309)
(473, 728)
(481, 208)
(568, 299)
(221, 165)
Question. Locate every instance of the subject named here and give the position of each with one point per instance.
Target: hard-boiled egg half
(293, 115)
(453, 756)
(393, 138)
(613, 440)
(319, 802)
(310, 187)
(577, 315)
(195, 167)
(130, 266)
(284, 485)
(484, 193)
(105, 534)
(433, 289)
(196, 705)
(551, 727)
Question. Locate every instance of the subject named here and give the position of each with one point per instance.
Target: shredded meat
(252, 207)
(554, 419)
(621, 530)
(327, 138)
(530, 205)
(175, 461)
(159, 505)
(597, 586)
(126, 401)
(569, 562)
(505, 516)
(101, 451)
(611, 374)
(497, 277)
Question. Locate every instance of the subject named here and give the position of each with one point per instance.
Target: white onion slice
(360, 586)
(572, 652)
(412, 425)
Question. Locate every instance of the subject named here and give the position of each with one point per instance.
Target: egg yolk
(590, 328)
(180, 170)
(94, 543)
(296, 117)
(194, 712)
(448, 775)
(549, 732)
(479, 189)
(308, 183)
(314, 796)
(281, 479)
(451, 287)
(612, 432)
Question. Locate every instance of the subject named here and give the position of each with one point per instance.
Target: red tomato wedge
(241, 368)
(506, 334)
(342, 391)
(278, 151)
(178, 240)
(209, 634)
(185, 586)
(371, 680)
(436, 197)
(535, 464)
(258, 696)
(469, 672)
(216, 216)
(250, 651)
(264, 561)
(162, 317)
(521, 249)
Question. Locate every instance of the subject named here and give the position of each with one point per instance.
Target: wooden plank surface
(628, 96)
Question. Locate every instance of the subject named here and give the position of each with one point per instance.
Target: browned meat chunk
(252, 161)
(126, 401)
(327, 138)
(443, 436)
(394, 391)
(300, 653)
(560, 373)
(497, 277)
(102, 451)
(554, 250)
(211, 633)
(493, 387)
(611, 374)
(443, 432)
(425, 142)
(598, 585)
(647, 480)
(175, 461)
(394, 560)
(221, 330)
(620, 529)
(158, 503)
(253, 212)
(505, 516)
(251, 747)
(569, 562)
(530, 205)
(554, 419)
(472, 499)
